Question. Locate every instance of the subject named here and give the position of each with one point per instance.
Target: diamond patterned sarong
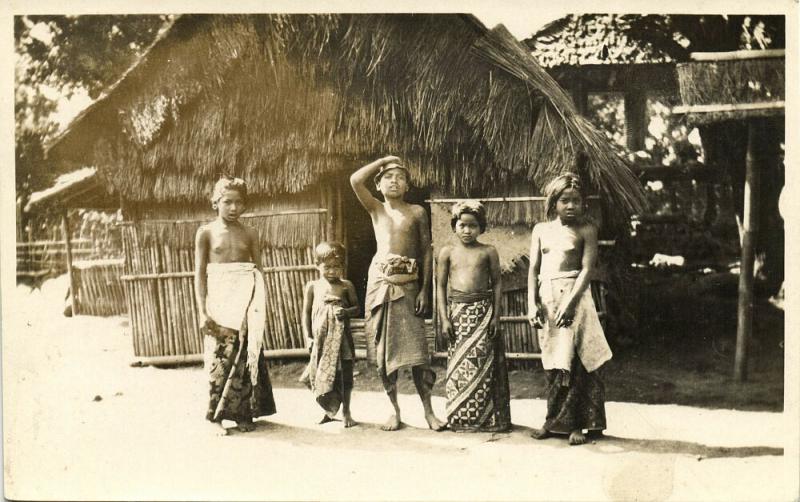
(477, 378)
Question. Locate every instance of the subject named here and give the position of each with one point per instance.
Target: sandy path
(145, 438)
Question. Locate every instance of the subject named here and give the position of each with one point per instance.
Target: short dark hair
(473, 207)
(328, 251)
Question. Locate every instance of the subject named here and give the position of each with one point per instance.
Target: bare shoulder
(418, 212)
(348, 284)
(203, 231)
(540, 228)
(444, 253)
(588, 230)
(490, 251)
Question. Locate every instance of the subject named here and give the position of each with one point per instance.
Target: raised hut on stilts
(293, 104)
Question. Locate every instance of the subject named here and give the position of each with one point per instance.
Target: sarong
(583, 338)
(329, 373)
(478, 397)
(240, 387)
(571, 357)
(578, 405)
(395, 334)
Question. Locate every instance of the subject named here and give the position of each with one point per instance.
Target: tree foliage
(55, 57)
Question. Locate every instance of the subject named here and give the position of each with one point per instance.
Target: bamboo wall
(159, 280)
(100, 291)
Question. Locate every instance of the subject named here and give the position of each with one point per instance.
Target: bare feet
(348, 420)
(577, 437)
(541, 433)
(392, 424)
(217, 429)
(245, 426)
(325, 419)
(594, 434)
(434, 423)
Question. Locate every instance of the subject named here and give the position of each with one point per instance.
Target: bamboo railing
(159, 285)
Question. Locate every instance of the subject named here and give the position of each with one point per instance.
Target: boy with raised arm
(395, 303)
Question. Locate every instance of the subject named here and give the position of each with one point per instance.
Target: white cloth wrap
(584, 336)
(236, 299)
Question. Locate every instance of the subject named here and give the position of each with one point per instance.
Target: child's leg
(390, 384)
(424, 378)
(347, 390)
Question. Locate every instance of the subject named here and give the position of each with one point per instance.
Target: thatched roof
(592, 39)
(285, 100)
(716, 87)
(79, 189)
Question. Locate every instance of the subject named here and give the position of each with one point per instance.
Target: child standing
(395, 302)
(563, 254)
(229, 289)
(468, 276)
(328, 304)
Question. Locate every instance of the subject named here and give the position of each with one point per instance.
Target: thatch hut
(732, 90)
(293, 104)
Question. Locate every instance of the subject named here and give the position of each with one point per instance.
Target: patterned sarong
(328, 375)
(240, 388)
(478, 397)
(578, 405)
(395, 334)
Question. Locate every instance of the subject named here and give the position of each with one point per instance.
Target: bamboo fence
(159, 281)
(100, 291)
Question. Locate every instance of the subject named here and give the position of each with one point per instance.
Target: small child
(230, 295)
(328, 304)
(563, 254)
(468, 276)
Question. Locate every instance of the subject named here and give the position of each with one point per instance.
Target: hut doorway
(359, 238)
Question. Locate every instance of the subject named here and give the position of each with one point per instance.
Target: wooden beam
(68, 246)
(719, 108)
(744, 317)
(738, 55)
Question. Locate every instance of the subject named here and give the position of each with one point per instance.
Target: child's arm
(423, 229)
(442, 274)
(497, 288)
(566, 311)
(535, 314)
(308, 301)
(360, 178)
(352, 300)
(201, 249)
(255, 248)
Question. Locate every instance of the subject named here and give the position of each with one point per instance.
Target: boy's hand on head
(390, 158)
(421, 304)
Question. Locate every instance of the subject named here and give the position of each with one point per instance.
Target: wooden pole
(635, 119)
(68, 245)
(744, 321)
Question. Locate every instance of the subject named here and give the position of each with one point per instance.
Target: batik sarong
(240, 387)
(571, 357)
(330, 368)
(395, 334)
(478, 397)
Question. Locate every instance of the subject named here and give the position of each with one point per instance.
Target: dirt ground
(79, 423)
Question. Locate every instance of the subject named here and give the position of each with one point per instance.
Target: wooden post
(580, 96)
(68, 245)
(744, 319)
(635, 119)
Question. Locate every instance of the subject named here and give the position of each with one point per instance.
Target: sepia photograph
(475, 251)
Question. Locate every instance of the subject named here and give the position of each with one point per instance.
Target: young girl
(563, 253)
(468, 276)
(229, 288)
(328, 303)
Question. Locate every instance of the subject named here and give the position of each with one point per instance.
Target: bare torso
(324, 289)
(229, 242)
(397, 230)
(561, 247)
(470, 268)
